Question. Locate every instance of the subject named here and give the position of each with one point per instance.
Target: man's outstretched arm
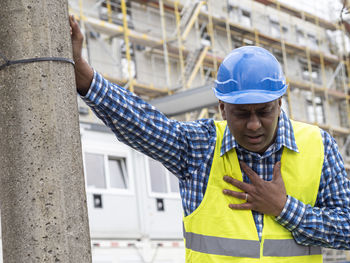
(181, 147)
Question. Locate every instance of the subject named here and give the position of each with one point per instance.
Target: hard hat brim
(250, 96)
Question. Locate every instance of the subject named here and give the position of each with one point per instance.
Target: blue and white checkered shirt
(187, 149)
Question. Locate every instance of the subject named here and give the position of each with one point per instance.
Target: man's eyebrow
(265, 107)
(242, 110)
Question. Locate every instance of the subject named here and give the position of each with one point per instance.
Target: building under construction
(168, 52)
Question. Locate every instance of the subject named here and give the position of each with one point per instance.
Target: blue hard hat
(249, 75)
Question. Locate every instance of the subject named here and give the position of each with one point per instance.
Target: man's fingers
(235, 194)
(71, 21)
(75, 27)
(244, 206)
(277, 172)
(254, 178)
(77, 39)
(241, 185)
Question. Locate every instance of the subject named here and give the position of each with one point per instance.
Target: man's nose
(253, 122)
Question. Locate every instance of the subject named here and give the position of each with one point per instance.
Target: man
(256, 187)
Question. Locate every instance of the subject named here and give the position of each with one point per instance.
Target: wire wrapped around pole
(31, 60)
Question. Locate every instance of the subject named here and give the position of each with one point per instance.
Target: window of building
(314, 75)
(340, 78)
(247, 42)
(276, 29)
(125, 68)
(343, 145)
(245, 18)
(204, 33)
(312, 41)
(238, 15)
(347, 146)
(123, 48)
(304, 39)
(232, 10)
(106, 171)
(315, 114)
(343, 114)
(236, 41)
(124, 60)
(116, 11)
(300, 37)
(161, 180)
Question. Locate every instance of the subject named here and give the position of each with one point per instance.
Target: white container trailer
(134, 205)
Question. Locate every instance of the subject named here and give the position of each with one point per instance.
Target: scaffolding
(174, 47)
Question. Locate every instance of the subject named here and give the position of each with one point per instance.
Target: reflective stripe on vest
(222, 246)
(247, 248)
(288, 248)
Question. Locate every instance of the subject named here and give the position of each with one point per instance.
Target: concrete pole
(42, 190)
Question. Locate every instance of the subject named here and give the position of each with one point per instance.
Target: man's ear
(222, 109)
(280, 104)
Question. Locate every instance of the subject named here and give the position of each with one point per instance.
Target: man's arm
(180, 146)
(328, 223)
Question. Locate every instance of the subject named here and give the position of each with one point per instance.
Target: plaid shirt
(187, 149)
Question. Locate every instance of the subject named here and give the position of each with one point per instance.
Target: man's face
(254, 126)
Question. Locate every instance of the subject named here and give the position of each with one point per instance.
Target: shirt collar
(285, 136)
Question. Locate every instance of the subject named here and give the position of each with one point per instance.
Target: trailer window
(162, 181)
(95, 172)
(105, 171)
(117, 173)
(174, 183)
(158, 179)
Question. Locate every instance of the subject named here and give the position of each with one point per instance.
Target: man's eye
(264, 113)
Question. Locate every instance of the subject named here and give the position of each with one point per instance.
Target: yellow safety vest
(216, 233)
